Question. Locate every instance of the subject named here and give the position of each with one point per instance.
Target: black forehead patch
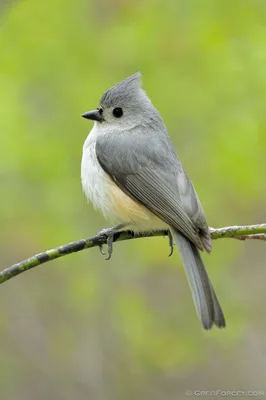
(123, 93)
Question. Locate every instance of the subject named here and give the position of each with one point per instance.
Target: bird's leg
(171, 242)
(109, 233)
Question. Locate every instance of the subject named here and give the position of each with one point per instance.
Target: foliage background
(81, 328)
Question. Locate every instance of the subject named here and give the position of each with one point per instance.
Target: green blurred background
(83, 328)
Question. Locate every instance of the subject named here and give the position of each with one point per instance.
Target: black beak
(93, 115)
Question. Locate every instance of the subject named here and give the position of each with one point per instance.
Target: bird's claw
(109, 233)
(109, 242)
(171, 243)
(101, 250)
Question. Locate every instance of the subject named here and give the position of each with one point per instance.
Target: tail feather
(205, 299)
(219, 319)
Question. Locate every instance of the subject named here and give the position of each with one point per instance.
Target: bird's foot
(109, 233)
(171, 243)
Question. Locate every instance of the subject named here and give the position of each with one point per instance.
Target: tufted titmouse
(131, 172)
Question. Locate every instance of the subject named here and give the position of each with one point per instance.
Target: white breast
(94, 179)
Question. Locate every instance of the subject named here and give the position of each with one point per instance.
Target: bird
(132, 173)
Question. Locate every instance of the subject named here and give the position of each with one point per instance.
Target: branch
(236, 232)
(240, 232)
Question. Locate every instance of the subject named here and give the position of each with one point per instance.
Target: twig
(236, 232)
(240, 232)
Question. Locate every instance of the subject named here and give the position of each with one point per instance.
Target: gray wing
(147, 169)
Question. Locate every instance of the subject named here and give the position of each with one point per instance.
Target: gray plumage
(138, 155)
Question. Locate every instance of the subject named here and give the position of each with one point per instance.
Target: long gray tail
(206, 302)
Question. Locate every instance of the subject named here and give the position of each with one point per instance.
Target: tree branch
(236, 232)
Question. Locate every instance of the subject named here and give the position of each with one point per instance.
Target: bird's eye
(117, 112)
(100, 110)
